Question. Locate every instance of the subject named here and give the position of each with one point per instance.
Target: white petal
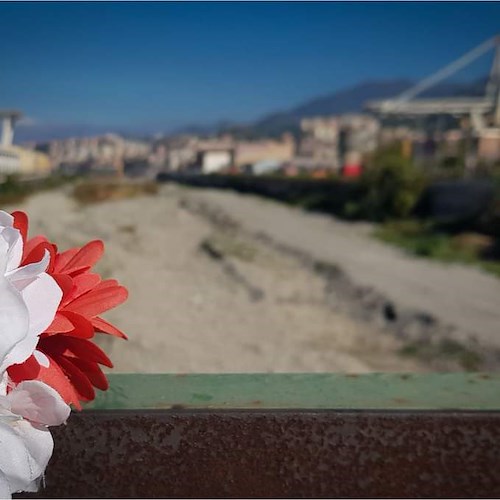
(39, 445)
(15, 241)
(4, 405)
(4, 487)
(33, 486)
(4, 380)
(15, 460)
(42, 297)
(4, 255)
(6, 219)
(14, 323)
(21, 351)
(26, 451)
(41, 358)
(38, 403)
(29, 272)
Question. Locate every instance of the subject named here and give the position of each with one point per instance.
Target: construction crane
(477, 108)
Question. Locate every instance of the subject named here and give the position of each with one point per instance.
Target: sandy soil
(464, 297)
(211, 299)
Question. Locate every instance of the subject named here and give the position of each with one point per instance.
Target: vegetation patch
(96, 191)
(425, 240)
(128, 228)
(444, 350)
(225, 245)
(14, 190)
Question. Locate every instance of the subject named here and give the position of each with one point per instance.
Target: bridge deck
(458, 106)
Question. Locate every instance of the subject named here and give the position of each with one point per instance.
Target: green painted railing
(282, 435)
(380, 391)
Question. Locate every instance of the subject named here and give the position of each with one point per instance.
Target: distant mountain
(40, 132)
(348, 100)
(353, 99)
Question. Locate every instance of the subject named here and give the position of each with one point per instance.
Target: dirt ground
(208, 296)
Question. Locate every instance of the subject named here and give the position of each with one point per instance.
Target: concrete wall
(213, 161)
(489, 145)
(250, 152)
(9, 162)
(32, 162)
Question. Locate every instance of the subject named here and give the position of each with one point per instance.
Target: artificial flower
(29, 298)
(26, 443)
(73, 359)
(28, 302)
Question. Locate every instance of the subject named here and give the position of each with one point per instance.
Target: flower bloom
(27, 445)
(29, 298)
(73, 368)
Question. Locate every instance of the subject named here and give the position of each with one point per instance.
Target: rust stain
(400, 401)
(275, 454)
(177, 406)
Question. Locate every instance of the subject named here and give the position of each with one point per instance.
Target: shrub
(391, 185)
(96, 191)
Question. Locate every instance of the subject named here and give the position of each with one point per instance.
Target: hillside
(347, 100)
(353, 99)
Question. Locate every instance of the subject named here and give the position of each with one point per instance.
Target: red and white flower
(29, 299)
(74, 360)
(26, 411)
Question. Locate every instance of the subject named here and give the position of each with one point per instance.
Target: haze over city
(157, 67)
(385, 117)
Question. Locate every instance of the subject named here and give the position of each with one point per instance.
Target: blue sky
(157, 66)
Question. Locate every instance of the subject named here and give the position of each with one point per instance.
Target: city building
(489, 145)
(32, 163)
(214, 156)
(15, 159)
(106, 153)
(319, 147)
(181, 152)
(248, 153)
(9, 160)
(328, 143)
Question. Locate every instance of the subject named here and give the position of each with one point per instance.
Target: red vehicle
(352, 170)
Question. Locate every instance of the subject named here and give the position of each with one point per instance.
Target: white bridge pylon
(477, 107)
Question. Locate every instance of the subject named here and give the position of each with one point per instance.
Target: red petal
(58, 380)
(87, 256)
(84, 349)
(103, 326)
(84, 283)
(65, 283)
(28, 370)
(63, 258)
(108, 284)
(77, 378)
(102, 298)
(38, 252)
(93, 373)
(21, 223)
(82, 327)
(61, 324)
(33, 242)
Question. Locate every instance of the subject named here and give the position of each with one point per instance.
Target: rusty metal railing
(233, 436)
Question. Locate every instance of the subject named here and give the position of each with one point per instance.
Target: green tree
(391, 185)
